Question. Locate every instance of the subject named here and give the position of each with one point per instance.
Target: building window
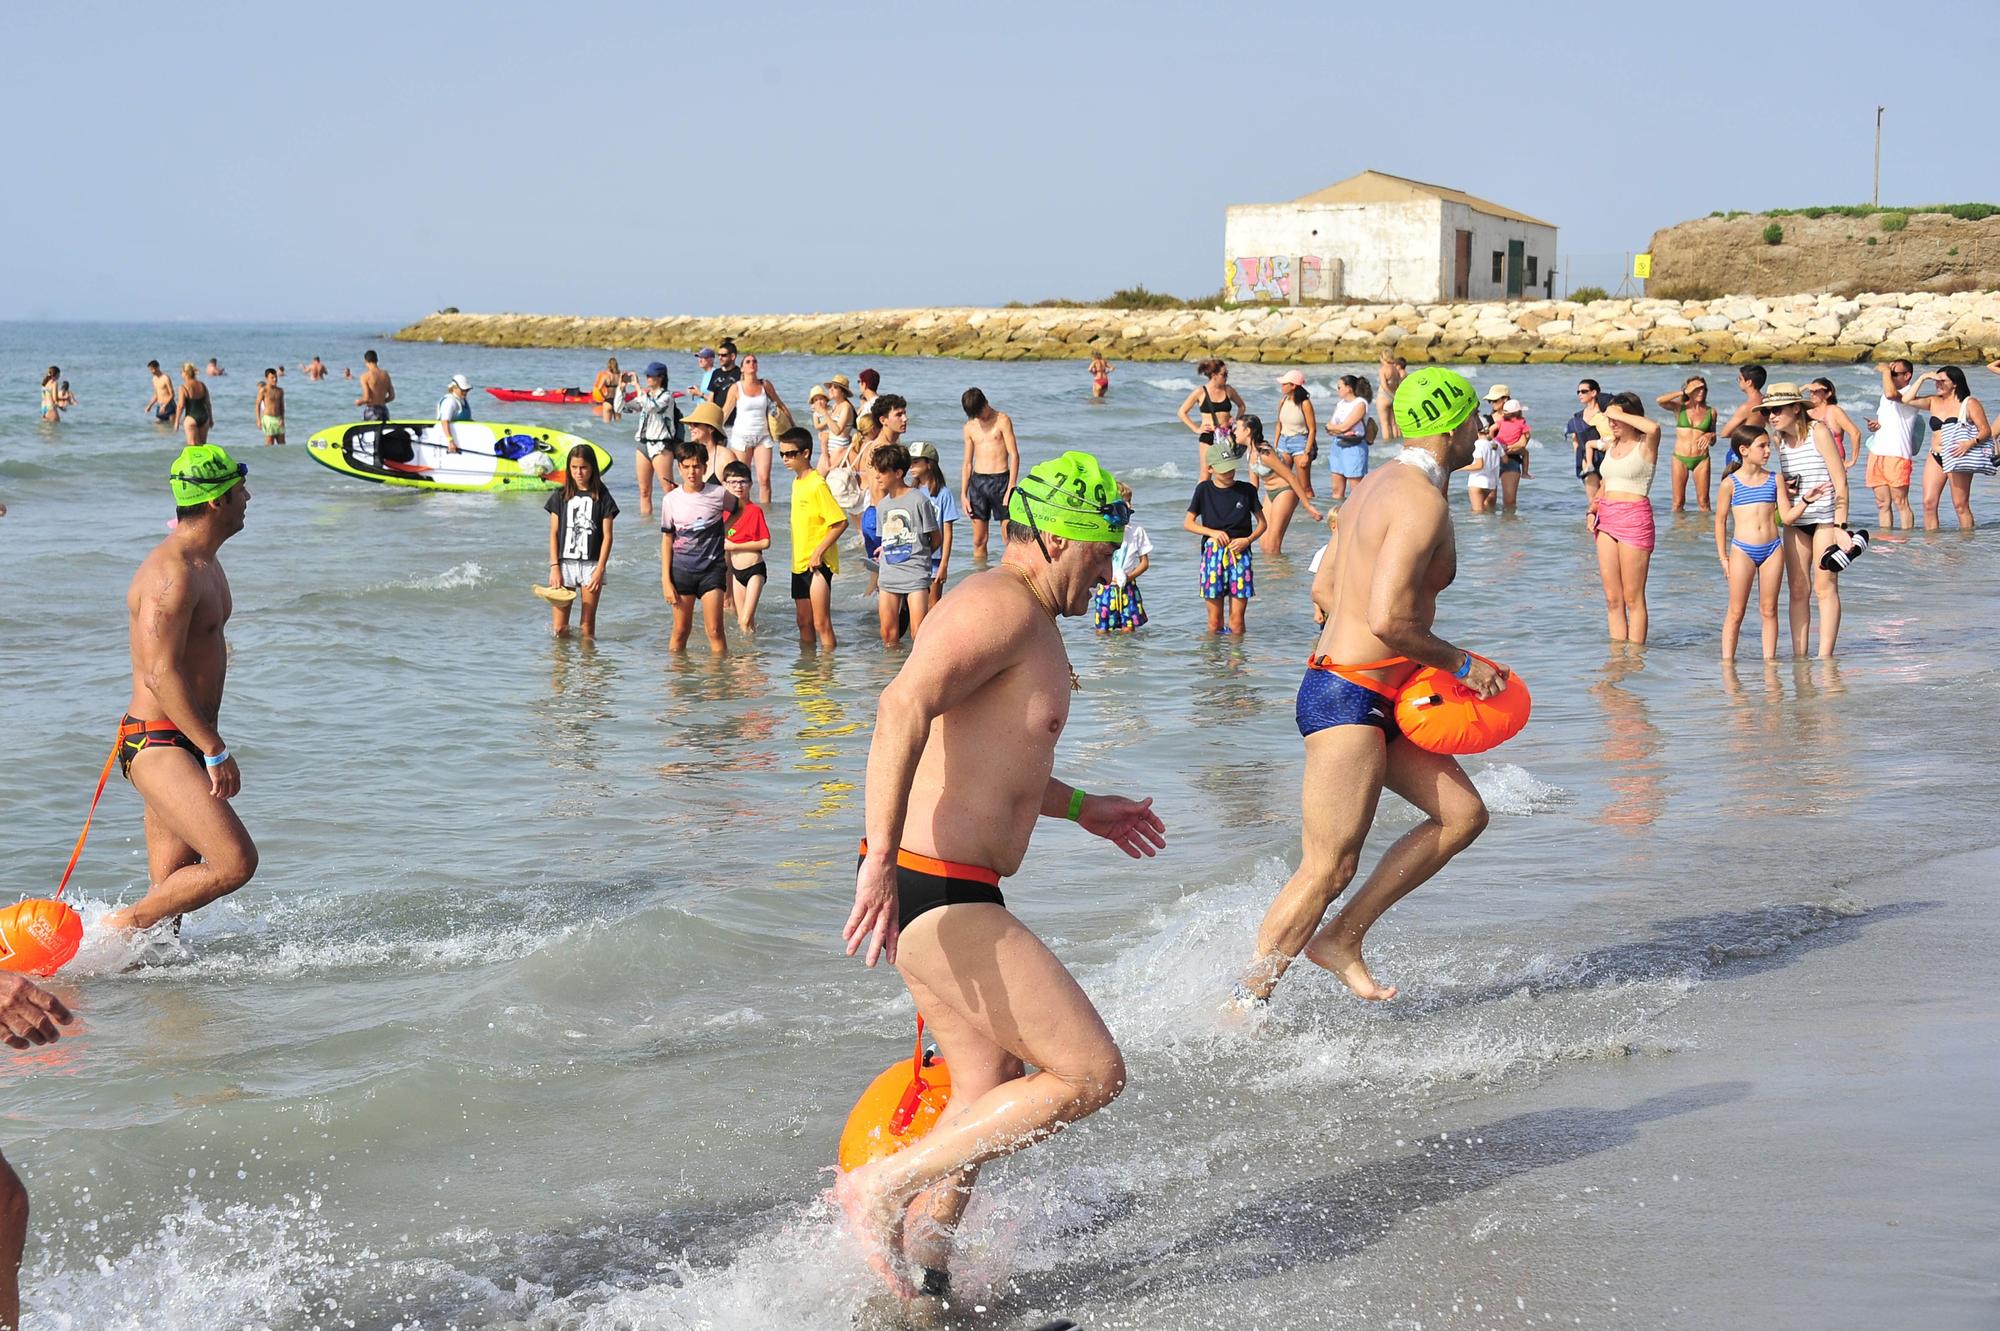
(1531, 271)
(1499, 261)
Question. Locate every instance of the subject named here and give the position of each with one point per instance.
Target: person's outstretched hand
(1130, 825)
(29, 1014)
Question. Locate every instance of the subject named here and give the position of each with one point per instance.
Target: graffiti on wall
(1270, 277)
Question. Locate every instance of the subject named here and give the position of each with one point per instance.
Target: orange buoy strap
(102, 778)
(913, 1094)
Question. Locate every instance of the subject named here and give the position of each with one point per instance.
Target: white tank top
(753, 419)
(1804, 461)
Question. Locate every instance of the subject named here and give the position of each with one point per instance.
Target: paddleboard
(412, 454)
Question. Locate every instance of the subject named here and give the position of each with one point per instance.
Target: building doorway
(1461, 281)
(1516, 249)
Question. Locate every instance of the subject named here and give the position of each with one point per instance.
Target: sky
(373, 163)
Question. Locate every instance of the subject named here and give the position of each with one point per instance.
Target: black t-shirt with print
(581, 535)
(720, 381)
(1233, 510)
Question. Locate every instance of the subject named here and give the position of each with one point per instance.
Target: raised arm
(1671, 401)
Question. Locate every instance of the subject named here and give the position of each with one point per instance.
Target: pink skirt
(1627, 521)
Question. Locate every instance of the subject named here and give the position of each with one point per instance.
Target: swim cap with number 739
(1434, 400)
(1073, 497)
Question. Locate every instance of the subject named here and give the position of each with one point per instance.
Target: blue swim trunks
(1328, 699)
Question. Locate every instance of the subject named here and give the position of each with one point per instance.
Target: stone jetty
(1807, 329)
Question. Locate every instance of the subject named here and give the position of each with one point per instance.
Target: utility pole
(1875, 199)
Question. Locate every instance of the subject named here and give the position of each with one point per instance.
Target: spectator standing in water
(194, 413)
(375, 389)
(992, 465)
(1896, 431)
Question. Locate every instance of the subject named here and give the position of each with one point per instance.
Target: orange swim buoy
(38, 936)
(1438, 713)
(897, 1109)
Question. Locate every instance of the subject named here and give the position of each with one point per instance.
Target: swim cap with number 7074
(1434, 400)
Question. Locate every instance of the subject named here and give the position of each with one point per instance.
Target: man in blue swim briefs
(1379, 587)
(960, 772)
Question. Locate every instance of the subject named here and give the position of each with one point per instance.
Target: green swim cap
(203, 472)
(1434, 400)
(1073, 497)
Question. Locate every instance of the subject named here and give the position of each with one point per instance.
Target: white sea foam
(1509, 789)
(1172, 385)
(288, 954)
(1166, 471)
(468, 574)
(243, 1266)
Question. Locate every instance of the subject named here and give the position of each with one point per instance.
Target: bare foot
(1346, 963)
(876, 1222)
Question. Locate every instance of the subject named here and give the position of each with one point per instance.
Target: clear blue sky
(296, 162)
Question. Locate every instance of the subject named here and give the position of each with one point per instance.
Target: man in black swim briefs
(958, 774)
(1380, 587)
(168, 746)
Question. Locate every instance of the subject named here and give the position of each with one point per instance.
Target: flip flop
(554, 595)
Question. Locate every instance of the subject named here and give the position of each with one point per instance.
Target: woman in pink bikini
(1621, 517)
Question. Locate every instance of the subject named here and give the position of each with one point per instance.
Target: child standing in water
(1228, 515)
(1100, 374)
(1116, 606)
(580, 517)
(1754, 496)
(744, 542)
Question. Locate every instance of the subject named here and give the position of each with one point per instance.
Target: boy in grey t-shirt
(906, 524)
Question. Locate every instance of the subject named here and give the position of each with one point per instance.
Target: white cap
(1512, 406)
(459, 381)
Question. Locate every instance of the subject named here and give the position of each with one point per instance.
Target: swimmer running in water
(169, 747)
(958, 775)
(1379, 585)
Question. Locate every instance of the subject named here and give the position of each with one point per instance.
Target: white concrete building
(1377, 237)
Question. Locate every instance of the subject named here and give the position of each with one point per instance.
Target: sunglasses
(790, 453)
(1583, 392)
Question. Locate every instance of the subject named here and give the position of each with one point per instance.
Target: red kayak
(561, 397)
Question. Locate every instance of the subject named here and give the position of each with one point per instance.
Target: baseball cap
(1498, 393)
(1512, 406)
(706, 353)
(203, 472)
(460, 381)
(1222, 457)
(1296, 378)
(922, 450)
(656, 370)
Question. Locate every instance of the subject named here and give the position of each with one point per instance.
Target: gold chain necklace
(1075, 684)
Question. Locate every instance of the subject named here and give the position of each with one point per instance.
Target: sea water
(536, 1016)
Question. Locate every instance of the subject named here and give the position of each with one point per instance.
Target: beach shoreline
(1807, 329)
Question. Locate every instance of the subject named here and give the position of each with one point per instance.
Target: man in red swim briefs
(1379, 588)
(958, 774)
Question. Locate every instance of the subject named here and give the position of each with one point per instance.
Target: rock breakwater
(1805, 329)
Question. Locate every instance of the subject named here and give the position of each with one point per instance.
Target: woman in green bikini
(1694, 435)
